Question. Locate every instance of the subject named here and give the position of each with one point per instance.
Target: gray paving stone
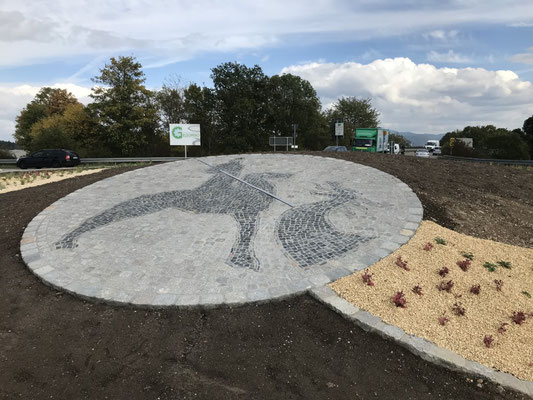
(258, 295)
(319, 280)
(338, 273)
(187, 233)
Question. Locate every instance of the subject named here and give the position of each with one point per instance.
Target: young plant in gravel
(399, 299)
(504, 264)
(443, 320)
(475, 289)
(418, 290)
(499, 284)
(470, 256)
(488, 340)
(518, 317)
(428, 246)
(444, 271)
(464, 264)
(490, 266)
(401, 263)
(526, 294)
(441, 241)
(445, 286)
(458, 309)
(503, 328)
(367, 278)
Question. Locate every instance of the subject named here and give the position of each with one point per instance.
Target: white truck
(431, 144)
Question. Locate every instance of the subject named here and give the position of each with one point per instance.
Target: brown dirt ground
(56, 346)
(511, 351)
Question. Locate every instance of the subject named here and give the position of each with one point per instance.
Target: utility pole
(294, 135)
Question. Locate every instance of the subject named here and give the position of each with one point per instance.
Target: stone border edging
(423, 348)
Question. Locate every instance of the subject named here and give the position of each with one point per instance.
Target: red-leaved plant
(464, 264)
(399, 299)
(503, 328)
(488, 339)
(518, 317)
(499, 284)
(367, 278)
(446, 286)
(475, 289)
(428, 246)
(458, 309)
(418, 290)
(443, 320)
(401, 263)
(443, 271)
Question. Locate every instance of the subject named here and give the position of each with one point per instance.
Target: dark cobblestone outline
(221, 194)
(308, 238)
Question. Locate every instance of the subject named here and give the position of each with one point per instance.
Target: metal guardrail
(130, 159)
(167, 159)
(111, 160)
(490, 160)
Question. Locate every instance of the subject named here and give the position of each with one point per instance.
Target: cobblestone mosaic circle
(220, 230)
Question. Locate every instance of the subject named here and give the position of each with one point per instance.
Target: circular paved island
(220, 230)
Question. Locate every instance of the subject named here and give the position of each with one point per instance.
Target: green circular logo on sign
(176, 132)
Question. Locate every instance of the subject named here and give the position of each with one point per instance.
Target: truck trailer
(373, 140)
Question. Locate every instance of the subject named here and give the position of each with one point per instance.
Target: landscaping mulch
(53, 345)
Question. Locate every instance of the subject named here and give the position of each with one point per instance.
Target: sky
(429, 66)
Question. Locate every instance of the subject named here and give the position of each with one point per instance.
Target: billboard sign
(184, 134)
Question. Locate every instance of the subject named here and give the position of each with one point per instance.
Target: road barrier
(111, 160)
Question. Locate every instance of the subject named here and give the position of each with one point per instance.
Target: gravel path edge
(419, 346)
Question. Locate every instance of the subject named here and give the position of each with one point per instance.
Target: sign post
(184, 135)
(339, 130)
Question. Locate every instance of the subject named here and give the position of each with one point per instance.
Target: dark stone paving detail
(308, 238)
(221, 194)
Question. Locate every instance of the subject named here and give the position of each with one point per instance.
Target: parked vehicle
(336, 148)
(422, 153)
(54, 158)
(437, 151)
(431, 144)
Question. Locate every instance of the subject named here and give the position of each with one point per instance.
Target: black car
(49, 158)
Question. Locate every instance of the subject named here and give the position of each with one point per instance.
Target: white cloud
(449, 57)
(14, 98)
(171, 31)
(523, 58)
(441, 35)
(423, 98)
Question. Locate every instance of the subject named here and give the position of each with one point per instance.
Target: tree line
(238, 114)
(492, 142)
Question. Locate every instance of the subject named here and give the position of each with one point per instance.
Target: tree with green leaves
(355, 113)
(171, 102)
(241, 107)
(528, 134)
(199, 108)
(125, 110)
(488, 142)
(400, 139)
(48, 102)
(292, 100)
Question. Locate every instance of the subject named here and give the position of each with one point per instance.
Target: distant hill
(4, 144)
(420, 139)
